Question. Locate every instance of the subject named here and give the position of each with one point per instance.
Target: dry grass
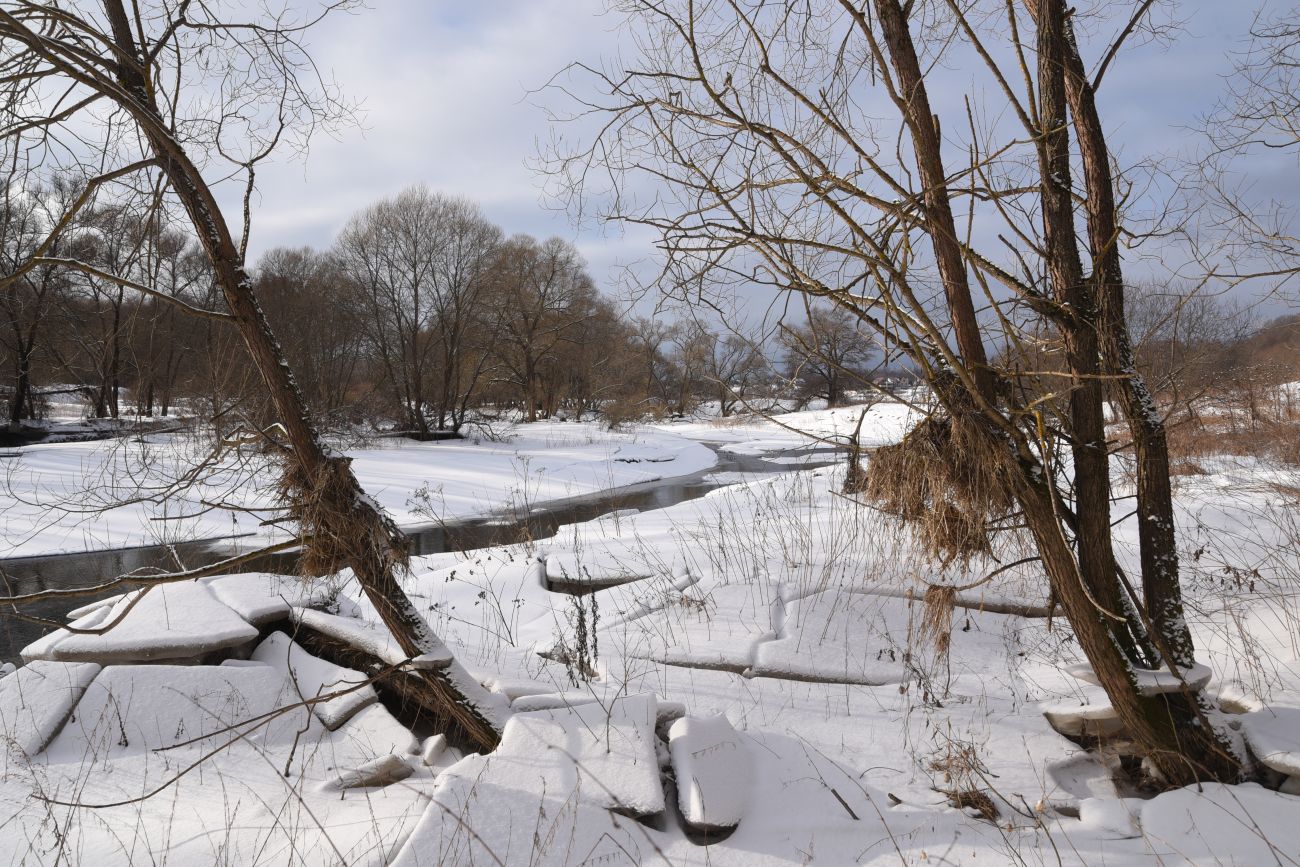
(1196, 438)
(946, 478)
(936, 620)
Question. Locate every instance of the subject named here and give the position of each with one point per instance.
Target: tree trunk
(1156, 535)
(1079, 329)
(938, 208)
(345, 527)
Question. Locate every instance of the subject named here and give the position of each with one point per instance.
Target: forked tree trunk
(1157, 544)
(347, 528)
(1078, 324)
(1179, 742)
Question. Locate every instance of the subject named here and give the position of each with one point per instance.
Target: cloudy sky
(445, 89)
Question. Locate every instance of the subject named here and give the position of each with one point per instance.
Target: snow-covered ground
(761, 649)
(124, 493)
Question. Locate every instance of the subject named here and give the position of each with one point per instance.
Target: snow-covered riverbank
(775, 604)
(124, 493)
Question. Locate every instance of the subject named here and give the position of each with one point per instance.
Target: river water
(33, 574)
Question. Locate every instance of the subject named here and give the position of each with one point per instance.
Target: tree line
(423, 313)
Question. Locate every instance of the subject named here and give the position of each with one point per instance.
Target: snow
(597, 754)
(35, 701)
(774, 616)
(713, 770)
(1218, 824)
(1274, 737)
(262, 597)
(418, 484)
(170, 621)
(315, 677)
(1154, 681)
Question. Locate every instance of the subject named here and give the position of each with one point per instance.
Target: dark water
(32, 574)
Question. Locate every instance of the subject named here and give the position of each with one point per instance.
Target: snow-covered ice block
(1274, 737)
(433, 749)
(838, 637)
(1111, 818)
(1084, 720)
(36, 699)
(514, 687)
(505, 819)
(314, 677)
(719, 630)
(382, 771)
(140, 708)
(264, 597)
(374, 640)
(172, 621)
(550, 701)
(375, 732)
(1150, 681)
(378, 642)
(714, 772)
(1083, 776)
(604, 754)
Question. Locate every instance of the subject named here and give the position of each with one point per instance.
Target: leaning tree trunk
(344, 526)
(1181, 749)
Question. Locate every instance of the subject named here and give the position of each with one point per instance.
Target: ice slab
(171, 621)
(315, 677)
(714, 772)
(36, 699)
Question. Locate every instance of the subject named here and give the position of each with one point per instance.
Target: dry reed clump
(936, 620)
(975, 800)
(946, 480)
(337, 533)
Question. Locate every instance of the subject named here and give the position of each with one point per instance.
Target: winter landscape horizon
(649, 432)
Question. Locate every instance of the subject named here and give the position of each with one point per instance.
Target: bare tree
(540, 294)
(420, 261)
(25, 218)
(302, 285)
(761, 128)
(828, 353)
(166, 86)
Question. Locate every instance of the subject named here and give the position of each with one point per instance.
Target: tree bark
(1091, 469)
(938, 208)
(1156, 534)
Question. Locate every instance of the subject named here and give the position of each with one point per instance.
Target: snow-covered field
(750, 671)
(122, 493)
